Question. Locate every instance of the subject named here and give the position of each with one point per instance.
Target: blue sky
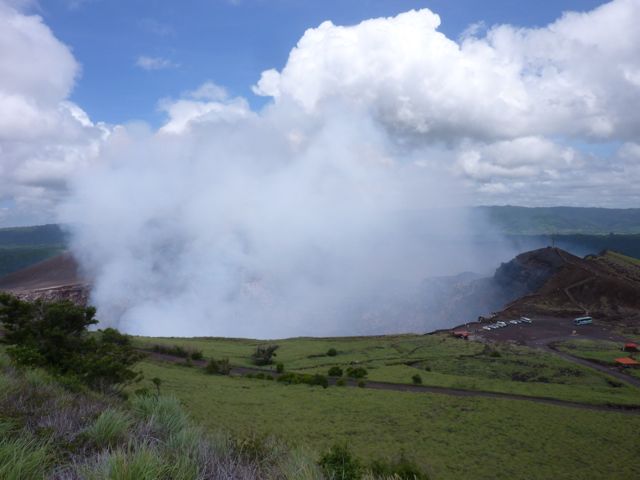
(227, 42)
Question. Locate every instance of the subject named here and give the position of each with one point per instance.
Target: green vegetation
(49, 432)
(178, 351)
(439, 359)
(601, 351)
(264, 354)
(448, 437)
(52, 424)
(220, 367)
(54, 336)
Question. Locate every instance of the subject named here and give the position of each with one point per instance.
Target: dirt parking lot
(543, 330)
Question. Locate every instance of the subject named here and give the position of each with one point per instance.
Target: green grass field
(601, 351)
(450, 437)
(439, 359)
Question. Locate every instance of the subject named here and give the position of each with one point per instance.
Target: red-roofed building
(630, 347)
(461, 334)
(627, 362)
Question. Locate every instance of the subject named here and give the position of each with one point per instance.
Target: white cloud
(154, 63)
(575, 77)
(43, 137)
(503, 105)
(208, 104)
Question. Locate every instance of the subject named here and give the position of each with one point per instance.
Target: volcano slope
(57, 278)
(605, 286)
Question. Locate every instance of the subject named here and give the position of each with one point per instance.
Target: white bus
(583, 321)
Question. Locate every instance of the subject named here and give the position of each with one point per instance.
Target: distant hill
(563, 220)
(546, 281)
(21, 247)
(606, 286)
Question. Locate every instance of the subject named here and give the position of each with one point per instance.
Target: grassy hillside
(440, 360)
(450, 437)
(21, 247)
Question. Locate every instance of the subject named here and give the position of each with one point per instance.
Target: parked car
(525, 320)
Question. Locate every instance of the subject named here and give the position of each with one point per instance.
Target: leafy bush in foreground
(335, 372)
(401, 468)
(55, 336)
(416, 379)
(56, 434)
(340, 464)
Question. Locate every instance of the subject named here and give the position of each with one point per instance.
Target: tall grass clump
(111, 427)
(165, 413)
(22, 458)
(133, 462)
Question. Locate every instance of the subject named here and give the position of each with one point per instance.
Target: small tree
(54, 336)
(220, 367)
(264, 354)
(335, 371)
(417, 379)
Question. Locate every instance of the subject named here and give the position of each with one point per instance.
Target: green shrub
(219, 367)
(280, 367)
(298, 378)
(264, 354)
(335, 372)
(401, 468)
(55, 336)
(341, 382)
(332, 352)
(362, 384)
(321, 380)
(417, 379)
(357, 372)
(178, 351)
(340, 464)
(110, 428)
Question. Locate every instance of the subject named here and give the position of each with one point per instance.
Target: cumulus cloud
(575, 77)
(154, 63)
(44, 138)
